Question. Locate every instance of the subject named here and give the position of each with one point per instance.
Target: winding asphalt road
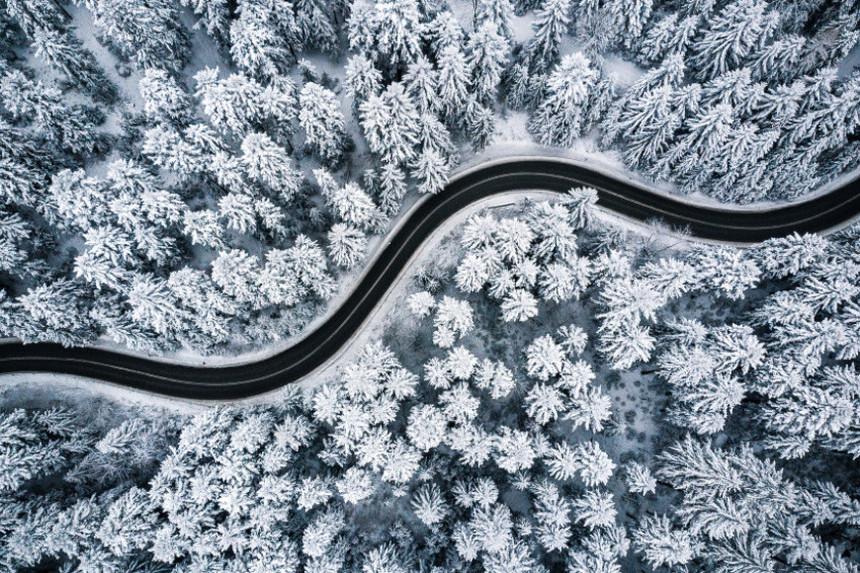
(244, 380)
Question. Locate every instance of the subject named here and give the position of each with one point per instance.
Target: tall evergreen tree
(323, 121)
(553, 20)
(565, 113)
(63, 51)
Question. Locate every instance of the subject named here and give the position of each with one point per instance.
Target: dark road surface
(244, 380)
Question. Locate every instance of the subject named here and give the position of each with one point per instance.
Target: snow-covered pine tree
(496, 12)
(431, 169)
(150, 34)
(363, 79)
(488, 51)
(270, 165)
(565, 113)
(68, 127)
(262, 38)
(163, 98)
(34, 16)
(422, 81)
(390, 124)
(391, 187)
(629, 18)
(236, 273)
(670, 35)
(662, 544)
(323, 121)
(214, 17)
(444, 30)
(389, 32)
(316, 24)
(732, 35)
(347, 245)
(452, 83)
(551, 24)
(64, 52)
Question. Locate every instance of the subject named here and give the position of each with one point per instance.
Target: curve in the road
(627, 199)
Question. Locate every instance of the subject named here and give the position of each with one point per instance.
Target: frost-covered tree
(389, 32)
(629, 18)
(346, 245)
(362, 78)
(422, 80)
(788, 256)
(421, 304)
(236, 273)
(519, 86)
(322, 120)
(238, 212)
(64, 52)
(260, 39)
(153, 306)
(662, 544)
(595, 509)
(571, 103)
(429, 505)
(291, 274)
(79, 200)
(431, 169)
(391, 187)
(496, 12)
(514, 450)
(545, 358)
(150, 33)
(472, 273)
(452, 83)
(203, 228)
(626, 343)
(317, 24)
(639, 478)
(544, 403)
(390, 124)
(163, 98)
(480, 124)
(551, 24)
(733, 34)
(519, 306)
(426, 427)
(268, 163)
(671, 34)
(237, 104)
(454, 318)
(55, 312)
(590, 408)
(214, 16)
(729, 272)
(37, 15)
(353, 205)
(69, 127)
(444, 30)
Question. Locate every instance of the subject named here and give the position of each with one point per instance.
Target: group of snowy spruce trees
(161, 203)
(477, 462)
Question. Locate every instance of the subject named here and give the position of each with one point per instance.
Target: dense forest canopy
(565, 396)
(552, 392)
(203, 175)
